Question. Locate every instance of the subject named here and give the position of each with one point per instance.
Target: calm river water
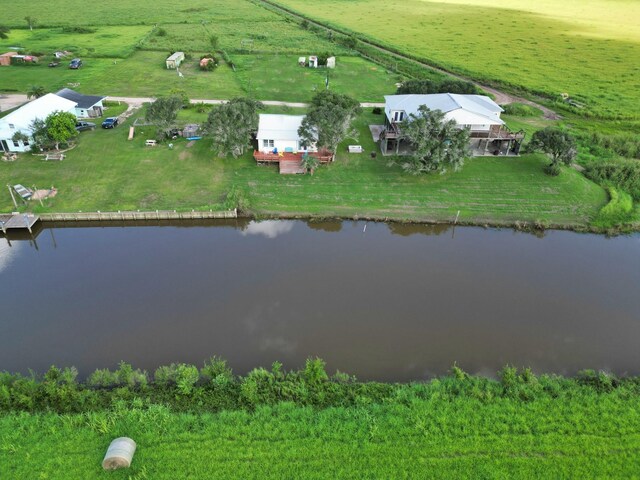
(385, 302)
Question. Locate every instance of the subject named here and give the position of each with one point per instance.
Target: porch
(289, 162)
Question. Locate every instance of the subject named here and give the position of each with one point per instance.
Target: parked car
(24, 192)
(110, 122)
(75, 63)
(81, 126)
(54, 64)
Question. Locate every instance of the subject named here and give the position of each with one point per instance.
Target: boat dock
(17, 221)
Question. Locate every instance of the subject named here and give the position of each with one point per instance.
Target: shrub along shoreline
(214, 388)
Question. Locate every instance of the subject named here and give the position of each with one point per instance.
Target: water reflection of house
(489, 133)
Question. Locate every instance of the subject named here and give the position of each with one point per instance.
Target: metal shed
(175, 60)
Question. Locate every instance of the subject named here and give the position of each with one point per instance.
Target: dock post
(26, 221)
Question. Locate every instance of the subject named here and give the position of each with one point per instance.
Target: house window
(268, 143)
(25, 143)
(398, 116)
(16, 143)
(12, 126)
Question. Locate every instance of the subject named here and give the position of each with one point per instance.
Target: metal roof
(83, 101)
(38, 108)
(279, 127)
(479, 105)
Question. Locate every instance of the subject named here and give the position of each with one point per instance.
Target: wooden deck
(292, 167)
(18, 221)
(290, 163)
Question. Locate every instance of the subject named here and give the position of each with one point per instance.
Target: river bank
(210, 424)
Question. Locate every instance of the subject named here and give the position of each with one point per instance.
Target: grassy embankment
(106, 172)
(275, 424)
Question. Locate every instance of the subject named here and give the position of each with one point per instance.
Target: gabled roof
(82, 101)
(477, 105)
(279, 127)
(38, 108)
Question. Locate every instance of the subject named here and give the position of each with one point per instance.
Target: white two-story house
(489, 134)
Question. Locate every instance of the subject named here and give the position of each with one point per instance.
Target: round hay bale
(119, 454)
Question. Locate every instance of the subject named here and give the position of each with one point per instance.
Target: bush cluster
(623, 174)
(446, 85)
(214, 387)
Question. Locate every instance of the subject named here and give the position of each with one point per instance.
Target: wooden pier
(17, 221)
(137, 216)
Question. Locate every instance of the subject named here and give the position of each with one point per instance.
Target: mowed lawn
(588, 49)
(107, 172)
(439, 437)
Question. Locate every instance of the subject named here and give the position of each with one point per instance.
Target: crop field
(146, 12)
(105, 172)
(588, 49)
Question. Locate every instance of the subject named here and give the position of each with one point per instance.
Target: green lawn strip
(106, 172)
(587, 435)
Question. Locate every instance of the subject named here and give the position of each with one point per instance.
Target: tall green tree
(163, 113)
(437, 144)
(36, 91)
(31, 21)
(61, 127)
(558, 144)
(231, 125)
(4, 32)
(329, 120)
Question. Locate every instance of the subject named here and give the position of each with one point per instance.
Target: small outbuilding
(331, 62)
(302, 61)
(190, 130)
(5, 58)
(313, 61)
(175, 60)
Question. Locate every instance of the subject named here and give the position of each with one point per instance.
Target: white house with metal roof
(478, 113)
(280, 133)
(21, 119)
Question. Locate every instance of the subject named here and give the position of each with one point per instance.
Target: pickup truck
(110, 122)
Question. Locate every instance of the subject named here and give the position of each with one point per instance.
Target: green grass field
(584, 48)
(582, 436)
(116, 42)
(106, 172)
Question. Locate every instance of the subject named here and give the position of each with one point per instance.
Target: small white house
(20, 120)
(313, 61)
(280, 132)
(87, 106)
(331, 62)
(175, 60)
